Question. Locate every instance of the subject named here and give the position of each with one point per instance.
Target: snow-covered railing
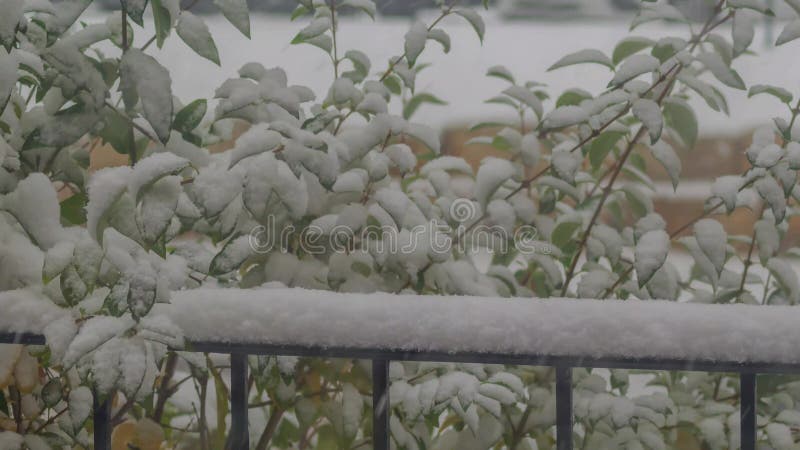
(563, 333)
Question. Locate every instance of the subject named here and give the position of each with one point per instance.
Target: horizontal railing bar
(493, 358)
(462, 357)
(22, 338)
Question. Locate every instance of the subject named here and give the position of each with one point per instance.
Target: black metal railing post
(380, 404)
(101, 419)
(239, 436)
(747, 410)
(563, 408)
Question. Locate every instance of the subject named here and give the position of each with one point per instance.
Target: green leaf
(367, 6)
(563, 232)
(135, 10)
(317, 27)
(195, 34)
(116, 131)
(299, 12)
(500, 72)
(162, 21)
(587, 56)
(475, 20)
(629, 46)
(73, 209)
(361, 65)
(681, 117)
(780, 93)
(190, 116)
(237, 13)
(572, 96)
(361, 268)
(712, 96)
(482, 125)
(417, 100)
(600, 146)
(640, 204)
(393, 84)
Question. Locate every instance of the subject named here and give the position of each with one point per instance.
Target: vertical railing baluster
(747, 410)
(380, 404)
(563, 408)
(239, 437)
(102, 422)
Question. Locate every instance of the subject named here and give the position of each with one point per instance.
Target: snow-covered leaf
(712, 239)
(441, 37)
(767, 239)
(565, 116)
(721, 70)
(666, 155)
(526, 97)
(790, 32)
(235, 252)
(9, 21)
(492, 174)
(194, 31)
(780, 436)
(153, 168)
(772, 193)
(743, 31)
(80, 406)
(8, 77)
(415, 40)
(237, 13)
(474, 19)
(778, 92)
(634, 66)
(650, 254)
(649, 113)
(786, 276)
(582, 57)
(152, 83)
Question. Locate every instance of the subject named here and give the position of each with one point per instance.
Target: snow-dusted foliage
(341, 190)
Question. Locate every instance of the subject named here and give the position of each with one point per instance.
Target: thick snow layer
(562, 327)
(596, 329)
(26, 311)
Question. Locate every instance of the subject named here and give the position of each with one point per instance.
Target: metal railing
(238, 438)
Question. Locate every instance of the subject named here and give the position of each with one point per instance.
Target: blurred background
(526, 36)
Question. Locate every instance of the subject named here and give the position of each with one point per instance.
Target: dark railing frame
(238, 438)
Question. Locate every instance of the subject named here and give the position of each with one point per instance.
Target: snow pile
(26, 311)
(568, 327)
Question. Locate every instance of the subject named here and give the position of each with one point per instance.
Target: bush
(351, 172)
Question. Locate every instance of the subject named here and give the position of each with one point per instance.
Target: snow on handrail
(573, 328)
(595, 330)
